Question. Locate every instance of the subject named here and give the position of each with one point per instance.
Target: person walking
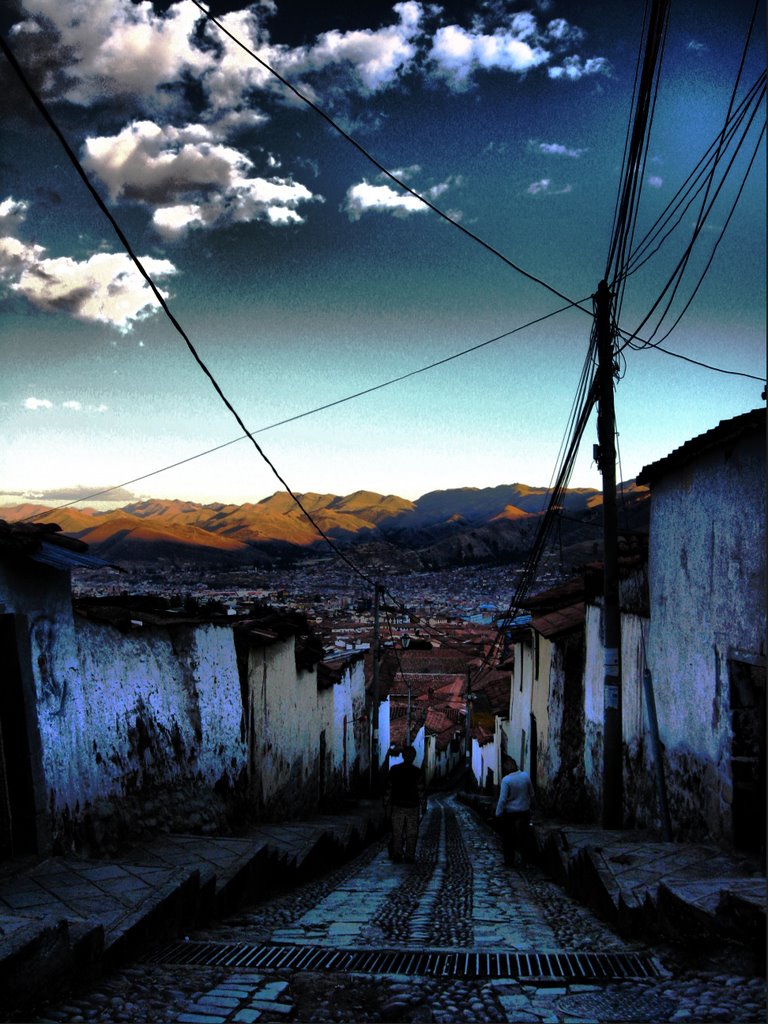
(404, 800)
(514, 809)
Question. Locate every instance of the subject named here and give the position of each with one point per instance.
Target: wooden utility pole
(612, 733)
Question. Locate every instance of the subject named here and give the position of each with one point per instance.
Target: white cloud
(37, 403)
(13, 212)
(88, 49)
(557, 149)
(383, 198)
(376, 57)
(106, 288)
(113, 47)
(654, 181)
(574, 67)
(364, 197)
(544, 186)
(15, 255)
(696, 46)
(458, 53)
(73, 405)
(190, 179)
(564, 32)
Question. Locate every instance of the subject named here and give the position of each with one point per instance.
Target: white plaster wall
(707, 587)
(593, 704)
(349, 728)
(430, 757)
(707, 581)
(550, 736)
(484, 757)
(384, 734)
(520, 704)
(540, 692)
(146, 707)
(285, 730)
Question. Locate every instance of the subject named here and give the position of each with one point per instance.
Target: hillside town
(103, 732)
(225, 708)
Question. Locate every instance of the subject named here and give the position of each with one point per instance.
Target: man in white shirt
(514, 809)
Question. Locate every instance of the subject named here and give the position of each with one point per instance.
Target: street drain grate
(552, 967)
(618, 1006)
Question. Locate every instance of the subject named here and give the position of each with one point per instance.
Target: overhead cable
(379, 166)
(311, 412)
(164, 304)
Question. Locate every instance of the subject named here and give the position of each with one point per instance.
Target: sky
(303, 275)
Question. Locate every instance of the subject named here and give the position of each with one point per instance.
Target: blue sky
(302, 275)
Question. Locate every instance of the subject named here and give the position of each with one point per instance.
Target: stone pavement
(643, 886)
(70, 915)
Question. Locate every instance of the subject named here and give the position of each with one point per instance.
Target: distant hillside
(442, 528)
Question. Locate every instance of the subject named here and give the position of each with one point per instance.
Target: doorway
(18, 834)
(747, 695)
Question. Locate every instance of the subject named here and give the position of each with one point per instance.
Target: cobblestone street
(458, 896)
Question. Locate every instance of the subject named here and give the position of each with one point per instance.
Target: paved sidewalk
(71, 914)
(644, 886)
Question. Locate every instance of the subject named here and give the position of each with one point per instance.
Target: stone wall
(707, 581)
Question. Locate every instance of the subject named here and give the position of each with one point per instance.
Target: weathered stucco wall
(561, 779)
(146, 733)
(284, 729)
(707, 582)
(520, 702)
(343, 717)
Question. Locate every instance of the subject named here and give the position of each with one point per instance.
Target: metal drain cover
(536, 966)
(645, 1007)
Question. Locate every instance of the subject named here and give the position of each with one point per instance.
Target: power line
(162, 301)
(376, 163)
(311, 412)
(655, 347)
(640, 255)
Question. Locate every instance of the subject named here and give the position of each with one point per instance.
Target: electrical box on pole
(613, 788)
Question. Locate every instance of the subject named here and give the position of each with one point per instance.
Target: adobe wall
(343, 717)
(284, 724)
(707, 582)
(139, 730)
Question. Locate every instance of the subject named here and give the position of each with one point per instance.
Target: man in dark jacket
(404, 799)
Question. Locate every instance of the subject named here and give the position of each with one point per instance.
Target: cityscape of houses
(134, 704)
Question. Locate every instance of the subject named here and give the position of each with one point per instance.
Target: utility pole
(612, 732)
(374, 782)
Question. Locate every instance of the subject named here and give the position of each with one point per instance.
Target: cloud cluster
(544, 187)
(91, 48)
(574, 67)
(166, 61)
(558, 149)
(365, 197)
(190, 179)
(35, 404)
(106, 288)
(458, 53)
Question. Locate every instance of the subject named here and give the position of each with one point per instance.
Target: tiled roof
(557, 623)
(725, 432)
(45, 543)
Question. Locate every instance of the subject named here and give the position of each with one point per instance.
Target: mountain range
(459, 526)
